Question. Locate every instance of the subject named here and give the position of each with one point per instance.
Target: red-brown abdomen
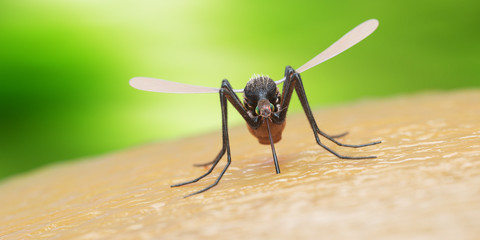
(261, 133)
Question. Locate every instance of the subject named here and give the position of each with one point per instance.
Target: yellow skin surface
(424, 183)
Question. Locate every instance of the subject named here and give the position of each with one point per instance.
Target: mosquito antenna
(281, 109)
(275, 160)
(351, 38)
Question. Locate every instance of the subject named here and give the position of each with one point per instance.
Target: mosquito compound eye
(257, 110)
(271, 107)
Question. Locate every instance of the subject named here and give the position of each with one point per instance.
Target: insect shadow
(264, 107)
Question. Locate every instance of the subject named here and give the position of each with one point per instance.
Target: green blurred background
(65, 64)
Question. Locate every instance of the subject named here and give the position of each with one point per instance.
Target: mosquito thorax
(257, 88)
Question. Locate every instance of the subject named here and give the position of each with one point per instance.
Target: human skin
(424, 182)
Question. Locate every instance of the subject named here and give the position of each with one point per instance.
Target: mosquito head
(261, 95)
(264, 108)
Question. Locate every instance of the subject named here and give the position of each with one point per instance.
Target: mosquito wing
(159, 85)
(348, 40)
(353, 37)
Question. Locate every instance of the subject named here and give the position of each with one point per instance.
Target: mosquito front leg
(293, 80)
(237, 103)
(226, 93)
(225, 148)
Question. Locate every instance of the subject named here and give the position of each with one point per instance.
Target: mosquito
(264, 107)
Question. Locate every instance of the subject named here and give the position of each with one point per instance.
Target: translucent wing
(159, 85)
(348, 40)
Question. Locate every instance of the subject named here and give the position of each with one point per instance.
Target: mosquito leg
(229, 160)
(331, 138)
(338, 155)
(226, 93)
(203, 164)
(222, 152)
(225, 147)
(286, 95)
(339, 135)
(303, 99)
(223, 101)
(293, 80)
